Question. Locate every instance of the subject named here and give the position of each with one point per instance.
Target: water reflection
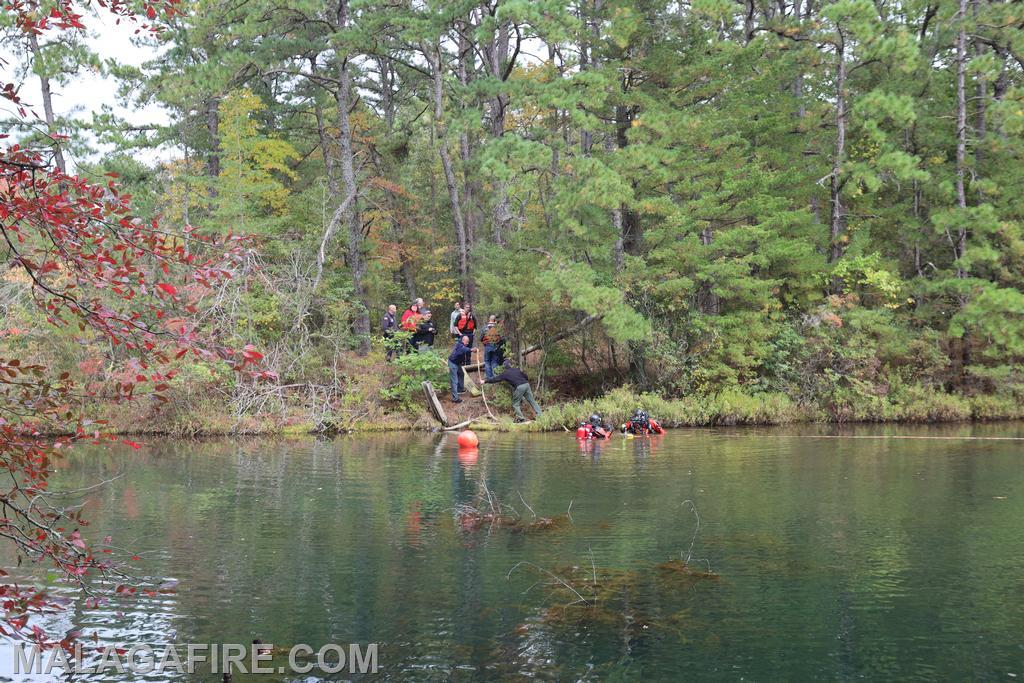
(836, 558)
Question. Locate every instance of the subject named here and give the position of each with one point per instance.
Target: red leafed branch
(93, 265)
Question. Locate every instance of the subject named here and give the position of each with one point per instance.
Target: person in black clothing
(642, 424)
(455, 359)
(520, 384)
(494, 345)
(388, 327)
(425, 332)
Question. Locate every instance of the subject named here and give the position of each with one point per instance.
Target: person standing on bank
(411, 320)
(423, 339)
(388, 326)
(456, 359)
(520, 384)
(454, 319)
(493, 342)
(411, 317)
(466, 324)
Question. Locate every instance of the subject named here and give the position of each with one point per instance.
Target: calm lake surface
(832, 558)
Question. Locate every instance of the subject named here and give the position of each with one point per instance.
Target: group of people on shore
(462, 326)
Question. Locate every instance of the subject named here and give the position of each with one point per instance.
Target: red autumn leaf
(250, 353)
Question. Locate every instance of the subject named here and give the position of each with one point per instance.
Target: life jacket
(466, 323)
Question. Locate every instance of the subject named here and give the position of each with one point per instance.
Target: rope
(484, 395)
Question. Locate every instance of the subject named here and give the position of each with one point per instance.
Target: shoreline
(506, 425)
(727, 409)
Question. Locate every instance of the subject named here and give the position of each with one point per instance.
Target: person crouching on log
(456, 359)
(520, 384)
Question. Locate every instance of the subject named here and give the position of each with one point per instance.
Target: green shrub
(731, 407)
(412, 369)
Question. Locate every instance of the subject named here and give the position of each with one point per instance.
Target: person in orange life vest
(494, 344)
(466, 324)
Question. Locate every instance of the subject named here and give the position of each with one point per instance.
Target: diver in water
(594, 428)
(641, 424)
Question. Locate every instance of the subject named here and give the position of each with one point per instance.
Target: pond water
(830, 558)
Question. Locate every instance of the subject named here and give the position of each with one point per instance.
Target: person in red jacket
(411, 318)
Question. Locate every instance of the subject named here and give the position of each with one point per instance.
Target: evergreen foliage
(767, 198)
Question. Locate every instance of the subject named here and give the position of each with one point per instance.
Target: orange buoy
(468, 439)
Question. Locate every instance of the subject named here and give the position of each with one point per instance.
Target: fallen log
(583, 324)
(434, 405)
(464, 423)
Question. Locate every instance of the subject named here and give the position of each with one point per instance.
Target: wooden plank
(434, 404)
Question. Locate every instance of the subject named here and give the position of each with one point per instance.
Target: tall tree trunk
(356, 257)
(213, 130)
(707, 301)
(407, 279)
(629, 236)
(960, 246)
(471, 188)
(47, 93)
(981, 97)
(632, 230)
(498, 58)
(1002, 82)
(433, 54)
(588, 60)
(330, 160)
(837, 220)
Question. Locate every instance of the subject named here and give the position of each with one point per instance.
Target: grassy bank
(199, 417)
(730, 408)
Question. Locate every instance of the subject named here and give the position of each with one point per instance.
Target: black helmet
(595, 419)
